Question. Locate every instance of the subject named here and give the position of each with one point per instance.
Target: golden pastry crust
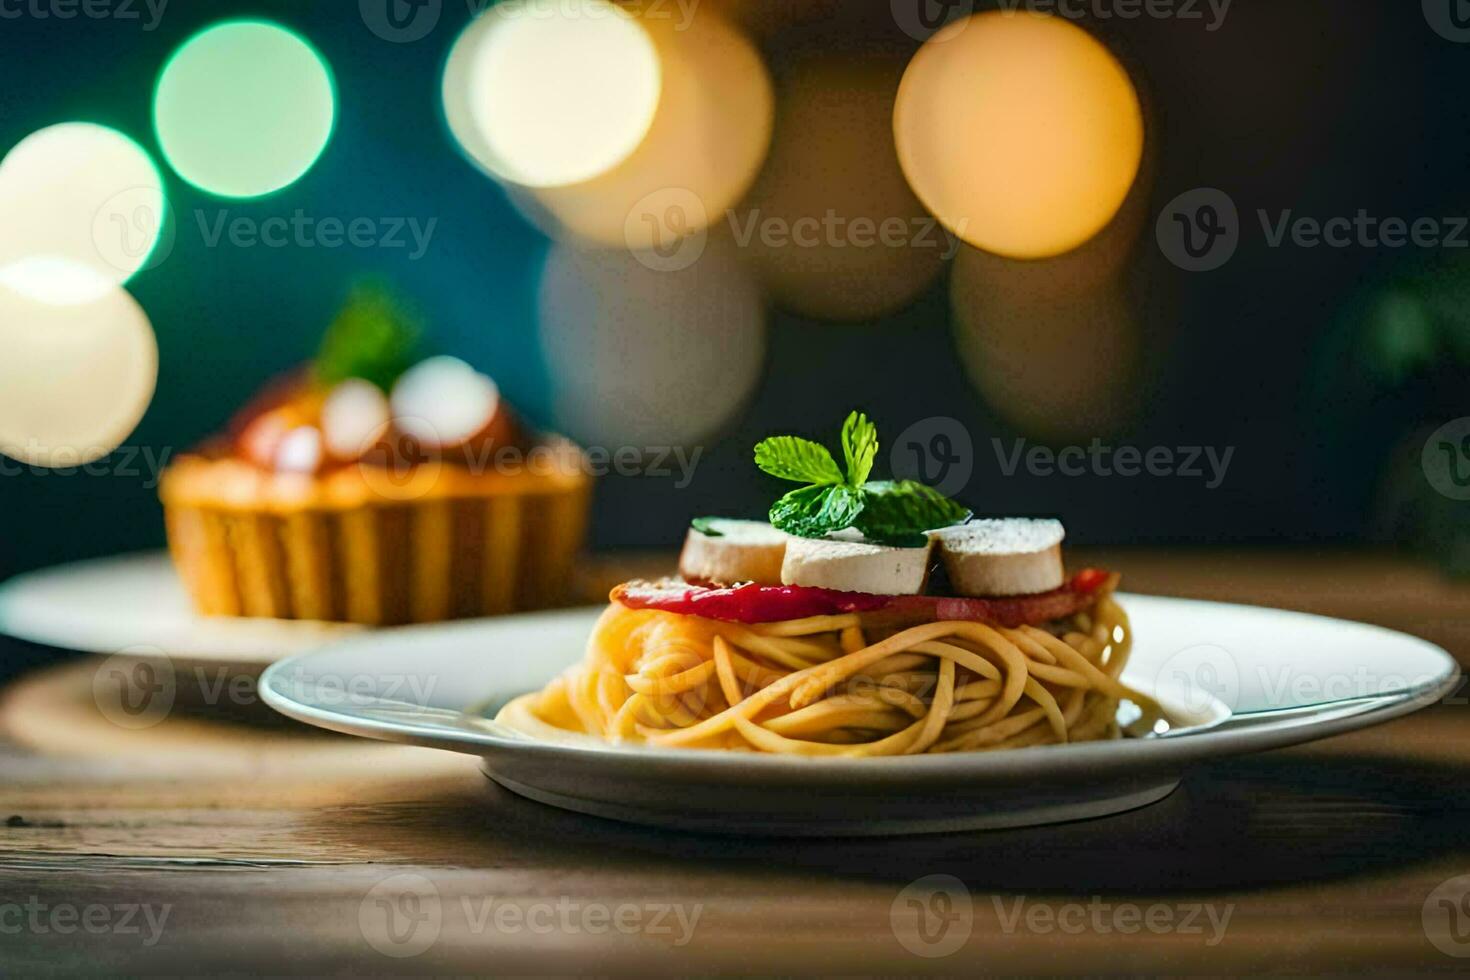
(363, 544)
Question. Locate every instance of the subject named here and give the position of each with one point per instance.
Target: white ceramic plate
(1287, 677)
(136, 604)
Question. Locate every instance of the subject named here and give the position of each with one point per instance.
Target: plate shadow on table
(207, 692)
(1254, 821)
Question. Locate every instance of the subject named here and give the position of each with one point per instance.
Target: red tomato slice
(776, 603)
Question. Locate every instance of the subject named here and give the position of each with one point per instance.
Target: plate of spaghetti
(873, 659)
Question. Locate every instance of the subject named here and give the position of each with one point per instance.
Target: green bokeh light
(244, 108)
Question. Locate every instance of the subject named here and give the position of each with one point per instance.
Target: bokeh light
(1019, 131)
(244, 108)
(549, 95)
(852, 242)
(82, 209)
(698, 136)
(75, 379)
(1100, 262)
(646, 358)
(708, 139)
(1058, 363)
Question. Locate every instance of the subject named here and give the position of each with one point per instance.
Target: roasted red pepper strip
(777, 603)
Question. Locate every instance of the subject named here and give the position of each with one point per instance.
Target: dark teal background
(1323, 106)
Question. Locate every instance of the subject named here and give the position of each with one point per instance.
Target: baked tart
(376, 488)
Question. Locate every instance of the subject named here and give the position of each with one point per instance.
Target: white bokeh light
(644, 358)
(545, 95)
(82, 209)
(75, 378)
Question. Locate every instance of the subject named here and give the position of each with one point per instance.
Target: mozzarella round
(1002, 556)
(740, 551)
(856, 566)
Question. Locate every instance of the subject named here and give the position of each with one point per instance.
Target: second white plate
(135, 605)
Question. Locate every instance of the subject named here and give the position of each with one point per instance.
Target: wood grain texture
(262, 846)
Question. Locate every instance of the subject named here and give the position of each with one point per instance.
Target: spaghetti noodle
(839, 685)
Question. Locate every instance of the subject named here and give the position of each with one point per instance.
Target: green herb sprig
(375, 336)
(895, 512)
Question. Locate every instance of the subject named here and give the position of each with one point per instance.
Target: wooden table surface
(246, 843)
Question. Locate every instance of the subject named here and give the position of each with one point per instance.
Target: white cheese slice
(744, 551)
(856, 566)
(1002, 556)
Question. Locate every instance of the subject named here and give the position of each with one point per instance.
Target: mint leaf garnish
(704, 526)
(794, 458)
(895, 512)
(816, 511)
(374, 337)
(859, 446)
(899, 511)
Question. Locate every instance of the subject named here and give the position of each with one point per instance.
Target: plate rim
(1096, 759)
(235, 644)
